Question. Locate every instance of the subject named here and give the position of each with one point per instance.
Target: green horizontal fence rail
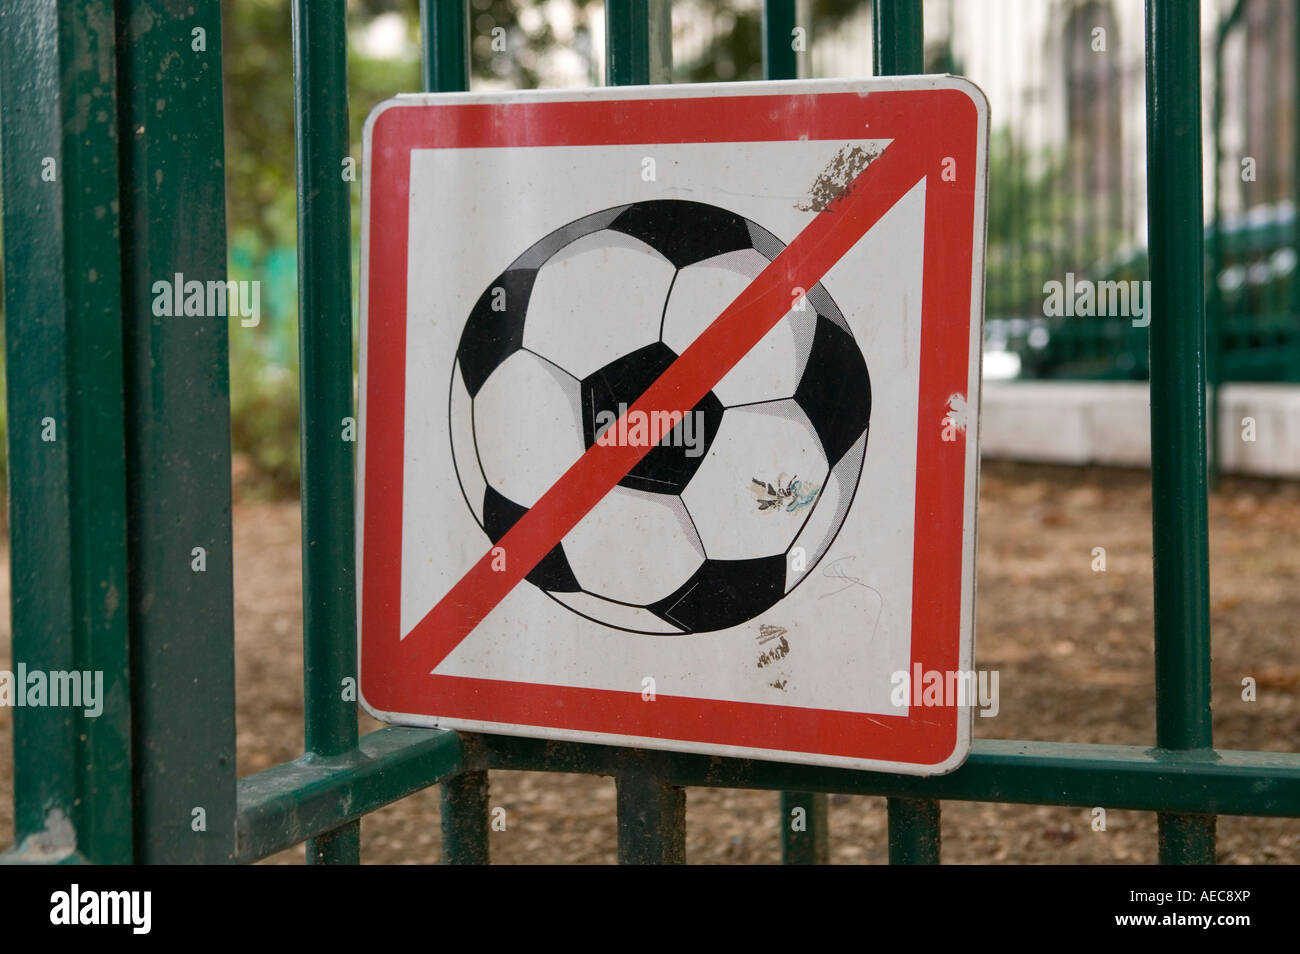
(104, 520)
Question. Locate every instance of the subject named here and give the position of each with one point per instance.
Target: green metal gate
(109, 518)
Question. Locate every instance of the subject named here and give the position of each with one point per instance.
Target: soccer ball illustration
(737, 500)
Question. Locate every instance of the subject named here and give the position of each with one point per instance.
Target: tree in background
(540, 40)
(546, 42)
(735, 48)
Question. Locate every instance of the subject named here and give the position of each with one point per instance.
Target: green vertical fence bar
(444, 28)
(638, 42)
(463, 799)
(178, 432)
(67, 499)
(810, 845)
(1294, 303)
(465, 819)
(805, 828)
(320, 62)
(1178, 380)
(651, 813)
(914, 831)
(780, 59)
(897, 37)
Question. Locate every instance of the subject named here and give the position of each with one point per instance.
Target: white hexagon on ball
(527, 427)
(468, 470)
(817, 534)
(773, 443)
(595, 300)
(634, 547)
(701, 292)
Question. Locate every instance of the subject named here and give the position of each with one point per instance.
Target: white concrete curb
(1070, 422)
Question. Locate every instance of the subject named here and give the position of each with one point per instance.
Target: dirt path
(1073, 647)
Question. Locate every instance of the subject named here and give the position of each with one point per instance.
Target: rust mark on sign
(838, 175)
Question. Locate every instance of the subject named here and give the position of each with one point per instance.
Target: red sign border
(933, 125)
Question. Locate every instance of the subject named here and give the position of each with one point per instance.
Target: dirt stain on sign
(839, 174)
(766, 634)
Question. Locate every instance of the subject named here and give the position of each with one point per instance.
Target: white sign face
(669, 413)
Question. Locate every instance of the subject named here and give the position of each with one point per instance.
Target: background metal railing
(1065, 164)
(107, 521)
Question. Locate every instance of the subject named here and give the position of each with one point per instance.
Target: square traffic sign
(669, 414)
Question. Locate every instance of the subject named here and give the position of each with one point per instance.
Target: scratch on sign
(957, 411)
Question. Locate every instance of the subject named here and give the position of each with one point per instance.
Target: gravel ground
(1073, 647)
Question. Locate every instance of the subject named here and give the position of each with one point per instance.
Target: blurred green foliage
(261, 201)
(257, 62)
(1026, 244)
(736, 49)
(261, 215)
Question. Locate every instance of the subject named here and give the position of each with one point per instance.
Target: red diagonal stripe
(731, 336)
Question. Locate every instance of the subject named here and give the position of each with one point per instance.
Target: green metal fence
(109, 520)
(1254, 298)
(1252, 237)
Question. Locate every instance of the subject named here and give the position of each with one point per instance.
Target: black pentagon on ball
(669, 467)
(493, 334)
(724, 593)
(684, 232)
(835, 390)
(553, 573)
